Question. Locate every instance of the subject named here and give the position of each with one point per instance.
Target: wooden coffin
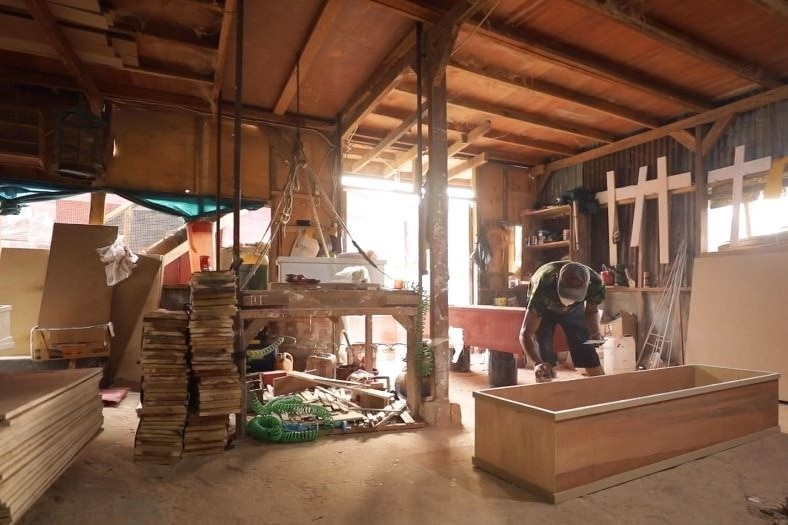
(565, 439)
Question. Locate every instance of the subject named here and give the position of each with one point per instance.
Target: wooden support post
(612, 218)
(368, 351)
(701, 204)
(97, 202)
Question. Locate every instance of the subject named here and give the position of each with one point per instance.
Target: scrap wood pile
(46, 419)
(165, 394)
(350, 406)
(190, 383)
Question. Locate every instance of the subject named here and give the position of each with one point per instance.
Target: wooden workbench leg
(368, 354)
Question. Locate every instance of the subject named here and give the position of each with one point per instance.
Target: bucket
(502, 369)
(618, 355)
(284, 361)
(325, 365)
(259, 280)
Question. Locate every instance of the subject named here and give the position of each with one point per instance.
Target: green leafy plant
(426, 355)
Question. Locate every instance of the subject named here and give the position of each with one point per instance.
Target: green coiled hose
(267, 425)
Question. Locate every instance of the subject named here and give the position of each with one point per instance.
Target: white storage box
(325, 268)
(618, 355)
(6, 341)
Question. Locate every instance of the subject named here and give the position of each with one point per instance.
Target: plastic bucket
(502, 369)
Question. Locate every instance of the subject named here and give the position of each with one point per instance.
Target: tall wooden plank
(612, 217)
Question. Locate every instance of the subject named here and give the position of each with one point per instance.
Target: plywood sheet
(737, 312)
(75, 289)
(21, 392)
(22, 273)
(129, 298)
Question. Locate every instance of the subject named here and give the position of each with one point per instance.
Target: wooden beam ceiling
(387, 141)
(747, 104)
(228, 20)
(560, 54)
(549, 89)
(323, 27)
(778, 7)
(522, 116)
(40, 11)
(380, 83)
(716, 132)
(469, 164)
(685, 138)
(588, 64)
(638, 20)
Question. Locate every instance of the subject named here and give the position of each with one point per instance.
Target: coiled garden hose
(261, 353)
(267, 425)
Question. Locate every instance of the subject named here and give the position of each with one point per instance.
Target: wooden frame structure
(565, 439)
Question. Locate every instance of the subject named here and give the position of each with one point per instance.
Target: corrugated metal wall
(764, 132)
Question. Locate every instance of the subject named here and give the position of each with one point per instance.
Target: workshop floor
(422, 476)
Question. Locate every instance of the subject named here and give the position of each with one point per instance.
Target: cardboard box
(70, 343)
(625, 325)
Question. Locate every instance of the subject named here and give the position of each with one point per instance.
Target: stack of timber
(216, 385)
(46, 419)
(165, 394)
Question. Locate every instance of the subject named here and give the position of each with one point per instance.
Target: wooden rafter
(466, 140)
(522, 116)
(41, 12)
(562, 55)
(778, 7)
(681, 41)
(380, 83)
(387, 141)
(588, 64)
(469, 164)
(323, 27)
(543, 145)
(221, 55)
(747, 104)
(549, 89)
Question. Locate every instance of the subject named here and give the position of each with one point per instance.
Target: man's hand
(543, 373)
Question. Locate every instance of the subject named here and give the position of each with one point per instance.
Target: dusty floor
(422, 476)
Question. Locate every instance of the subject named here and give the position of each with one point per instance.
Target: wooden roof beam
(387, 141)
(41, 12)
(778, 7)
(716, 131)
(382, 82)
(685, 138)
(469, 164)
(221, 54)
(522, 116)
(555, 91)
(323, 27)
(466, 140)
(666, 34)
(740, 106)
(588, 64)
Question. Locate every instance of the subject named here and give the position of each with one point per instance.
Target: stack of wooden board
(46, 419)
(216, 388)
(165, 394)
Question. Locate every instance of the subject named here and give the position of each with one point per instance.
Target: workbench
(334, 302)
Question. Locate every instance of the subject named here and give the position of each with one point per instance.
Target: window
(382, 217)
(759, 217)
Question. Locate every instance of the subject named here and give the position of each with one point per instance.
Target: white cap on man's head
(573, 281)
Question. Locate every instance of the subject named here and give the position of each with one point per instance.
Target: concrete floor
(423, 476)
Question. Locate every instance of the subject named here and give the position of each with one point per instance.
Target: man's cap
(573, 283)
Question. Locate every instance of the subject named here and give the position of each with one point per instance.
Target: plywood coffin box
(565, 439)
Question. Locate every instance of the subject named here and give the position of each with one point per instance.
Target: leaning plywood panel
(75, 291)
(22, 273)
(46, 419)
(737, 312)
(618, 427)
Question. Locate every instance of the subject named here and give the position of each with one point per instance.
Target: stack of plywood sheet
(46, 419)
(216, 385)
(165, 394)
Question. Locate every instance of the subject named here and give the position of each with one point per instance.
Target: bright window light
(379, 184)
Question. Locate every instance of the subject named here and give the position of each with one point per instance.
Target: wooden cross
(639, 192)
(736, 173)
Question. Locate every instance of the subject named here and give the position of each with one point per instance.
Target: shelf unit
(554, 220)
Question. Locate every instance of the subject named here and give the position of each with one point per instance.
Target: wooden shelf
(548, 245)
(546, 213)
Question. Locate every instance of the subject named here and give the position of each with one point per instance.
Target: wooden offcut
(565, 439)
